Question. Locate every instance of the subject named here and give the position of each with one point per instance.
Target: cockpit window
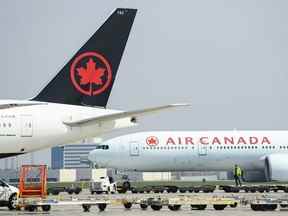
(104, 147)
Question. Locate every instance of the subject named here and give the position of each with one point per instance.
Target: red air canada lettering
(215, 140)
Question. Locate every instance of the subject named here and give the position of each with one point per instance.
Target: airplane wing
(115, 116)
(8, 105)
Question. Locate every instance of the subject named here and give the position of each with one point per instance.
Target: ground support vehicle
(155, 202)
(174, 203)
(253, 188)
(34, 204)
(58, 189)
(8, 195)
(269, 204)
(103, 185)
(173, 189)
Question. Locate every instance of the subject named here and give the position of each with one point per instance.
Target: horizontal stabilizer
(12, 104)
(121, 115)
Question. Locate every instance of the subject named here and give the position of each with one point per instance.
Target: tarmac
(113, 210)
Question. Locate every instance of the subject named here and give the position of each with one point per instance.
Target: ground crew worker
(237, 175)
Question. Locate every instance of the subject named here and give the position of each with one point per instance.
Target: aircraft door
(202, 149)
(134, 149)
(26, 125)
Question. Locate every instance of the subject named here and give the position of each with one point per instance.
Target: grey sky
(227, 58)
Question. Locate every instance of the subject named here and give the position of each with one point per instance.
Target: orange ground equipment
(33, 181)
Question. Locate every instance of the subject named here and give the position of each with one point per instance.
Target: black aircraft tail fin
(87, 78)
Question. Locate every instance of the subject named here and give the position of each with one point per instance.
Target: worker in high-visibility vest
(237, 175)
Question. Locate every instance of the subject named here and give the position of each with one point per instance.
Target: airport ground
(115, 210)
(118, 211)
(85, 184)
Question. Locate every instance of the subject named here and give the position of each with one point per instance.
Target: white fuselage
(191, 151)
(29, 128)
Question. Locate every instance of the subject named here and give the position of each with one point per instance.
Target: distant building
(38, 157)
(57, 157)
(75, 156)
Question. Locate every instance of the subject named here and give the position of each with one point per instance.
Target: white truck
(103, 185)
(8, 195)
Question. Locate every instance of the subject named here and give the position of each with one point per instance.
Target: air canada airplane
(197, 151)
(73, 105)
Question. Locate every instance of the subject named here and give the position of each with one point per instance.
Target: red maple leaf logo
(91, 74)
(152, 140)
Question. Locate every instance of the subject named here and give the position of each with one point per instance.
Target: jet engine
(276, 167)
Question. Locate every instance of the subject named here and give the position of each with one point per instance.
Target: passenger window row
(211, 147)
(235, 147)
(167, 148)
(5, 125)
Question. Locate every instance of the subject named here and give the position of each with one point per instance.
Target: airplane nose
(97, 159)
(90, 156)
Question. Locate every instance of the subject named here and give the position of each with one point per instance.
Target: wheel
(86, 207)
(196, 190)
(127, 205)
(174, 190)
(70, 192)
(13, 202)
(98, 192)
(126, 185)
(235, 190)
(122, 191)
(143, 206)
(234, 205)
(219, 207)
(182, 191)
(156, 207)
(198, 207)
(77, 192)
(174, 207)
(46, 208)
(283, 205)
(256, 207)
(270, 207)
(30, 208)
(102, 206)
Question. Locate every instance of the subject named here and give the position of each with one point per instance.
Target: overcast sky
(228, 59)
